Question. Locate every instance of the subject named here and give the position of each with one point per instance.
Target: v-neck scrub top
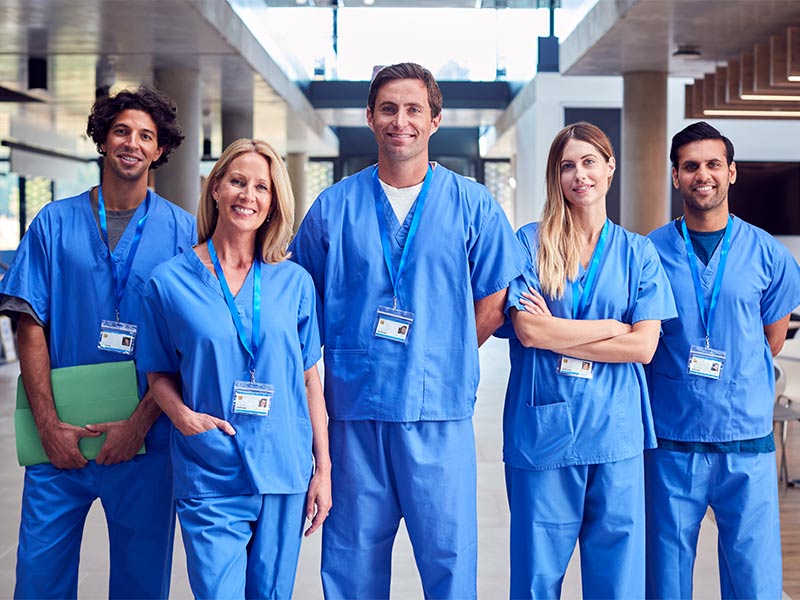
(189, 330)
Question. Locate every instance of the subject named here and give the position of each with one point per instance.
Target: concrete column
(235, 125)
(644, 202)
(179, 179)
(296, 165)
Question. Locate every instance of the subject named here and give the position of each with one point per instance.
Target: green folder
(83, 395)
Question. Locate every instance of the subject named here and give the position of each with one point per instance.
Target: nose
(400, 119)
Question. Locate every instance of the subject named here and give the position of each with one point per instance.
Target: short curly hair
(158, 105)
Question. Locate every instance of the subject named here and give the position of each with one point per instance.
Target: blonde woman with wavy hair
(587, 316)
(230, 343)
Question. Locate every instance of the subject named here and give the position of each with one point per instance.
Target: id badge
(393, 324)
(116, 336)
(575, 367)
(252, 398)
(706, 362)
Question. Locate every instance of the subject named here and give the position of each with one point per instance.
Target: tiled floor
(492, 514)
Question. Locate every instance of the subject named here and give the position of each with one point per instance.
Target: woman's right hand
(192, 423)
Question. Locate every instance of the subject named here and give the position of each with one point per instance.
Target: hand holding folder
(83, 395)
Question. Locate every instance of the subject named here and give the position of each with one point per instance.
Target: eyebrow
(591, 154)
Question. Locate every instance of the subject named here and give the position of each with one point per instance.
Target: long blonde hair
(274, 235)
(559, 245)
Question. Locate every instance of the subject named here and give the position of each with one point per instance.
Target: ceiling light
(770, 97)
(369, 2)
(793, 78)
(688, 51)
(765, 114)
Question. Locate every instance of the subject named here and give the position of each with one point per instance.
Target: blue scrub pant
(600, 506)
(140, 513)
(742, 489)
(423, 472)
(242, 546)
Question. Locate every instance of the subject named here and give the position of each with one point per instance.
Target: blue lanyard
(707, 316)
(121, 280)
(252, 347)
(412, 230)
(579, 302)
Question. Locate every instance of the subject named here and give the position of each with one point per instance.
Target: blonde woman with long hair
(230, 344)
(586, 316)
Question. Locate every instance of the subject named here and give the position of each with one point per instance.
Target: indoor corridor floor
(492, 514)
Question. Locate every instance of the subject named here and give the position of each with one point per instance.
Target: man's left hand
(122, 443)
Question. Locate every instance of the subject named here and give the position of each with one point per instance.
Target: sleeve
(155, 350)
(14, 307)
(28, 278)
(528, 278)
(495, 257)
(518, 285)
(309, 247)
(782, 295)
(308, 328)
(654, 299)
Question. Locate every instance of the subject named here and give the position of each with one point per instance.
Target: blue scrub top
(761, 285)
(552, 420)
(464, 250)
(188, 329)
(62, 270)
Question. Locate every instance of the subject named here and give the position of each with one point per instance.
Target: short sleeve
(495, 256)
(28, 278)
(155, 350)
(309, 247)
(528, 278)
(308, 327)
(654, 300)
(782, 295)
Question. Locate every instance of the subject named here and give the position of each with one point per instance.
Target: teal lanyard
(252, 347)
(579, 302)
(121, 279)
(412, 231)
(707, 315)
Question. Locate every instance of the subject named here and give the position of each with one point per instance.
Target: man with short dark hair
(712, 383)
(412, 263)
(75, 286)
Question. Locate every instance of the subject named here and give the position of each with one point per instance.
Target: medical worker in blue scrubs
(586, 316)
(412, 263)
(80, 269)
(712, 383)
(231, 343)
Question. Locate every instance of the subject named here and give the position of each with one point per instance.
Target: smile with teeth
(128, 159)
(703, 188)
(243, 211)
(581, 188)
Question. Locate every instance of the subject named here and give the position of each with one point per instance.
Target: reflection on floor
(492, 514)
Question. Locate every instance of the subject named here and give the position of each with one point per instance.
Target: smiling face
(585, 173)
(131, 146)
(243, 194)
(402, 121)
(703, 176)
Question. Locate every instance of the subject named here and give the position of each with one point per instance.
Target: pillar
(296, 165)
(179, 179)
(644, 202)
(236, 124)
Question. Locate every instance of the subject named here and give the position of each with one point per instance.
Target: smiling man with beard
(712, 383)
(77, 282)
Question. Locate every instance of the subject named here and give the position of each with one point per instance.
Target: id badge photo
(252, 398)
(575, 367)
(706, 362)
(393, 324)
(117, 337)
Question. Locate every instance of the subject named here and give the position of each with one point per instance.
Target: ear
(370, 123)
(103, 148)
(732, 171)
(158, 153)
(436, 121)
(675, 178)
(215, 189)
(612, 166)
